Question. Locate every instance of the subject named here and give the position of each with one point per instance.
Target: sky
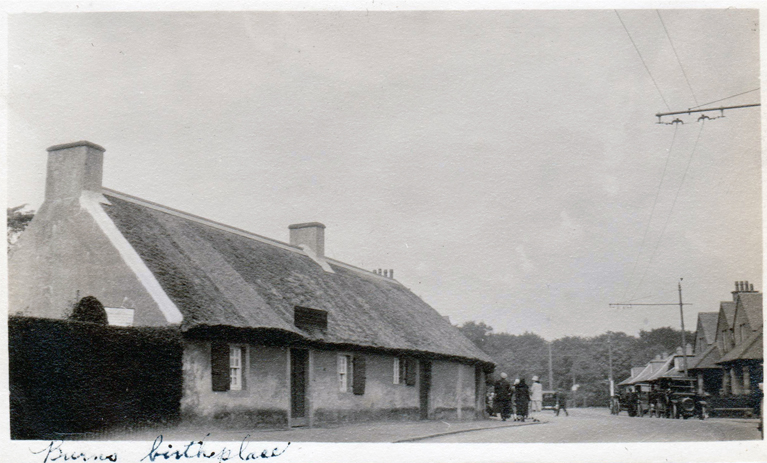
(506, 164)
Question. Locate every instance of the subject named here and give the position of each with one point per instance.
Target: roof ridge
(232, 229)
(199, 219)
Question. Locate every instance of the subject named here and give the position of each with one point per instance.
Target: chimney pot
(391, 273)
(72, 169)
(311, 234)
(751, 288)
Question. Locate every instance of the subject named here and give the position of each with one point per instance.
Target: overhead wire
(652, 213)
(677, 56)
(642, 59)
(727, 98)
(671, 211)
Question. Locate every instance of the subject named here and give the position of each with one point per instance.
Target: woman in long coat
(521, 399)
(503, 396)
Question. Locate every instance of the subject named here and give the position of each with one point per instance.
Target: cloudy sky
(506, 164)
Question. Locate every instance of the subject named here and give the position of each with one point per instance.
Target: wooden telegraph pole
(681, 314)
(551, 371)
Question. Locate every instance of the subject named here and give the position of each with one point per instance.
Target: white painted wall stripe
(91, 202)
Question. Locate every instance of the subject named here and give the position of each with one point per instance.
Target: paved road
(597, 425)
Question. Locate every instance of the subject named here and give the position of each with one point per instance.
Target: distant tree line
(575, 359)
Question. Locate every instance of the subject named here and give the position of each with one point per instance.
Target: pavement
(374, 432)
(595, 425)
(582, 425)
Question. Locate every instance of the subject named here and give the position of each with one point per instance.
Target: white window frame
(396, 378)
(344, 372)
(237, 364)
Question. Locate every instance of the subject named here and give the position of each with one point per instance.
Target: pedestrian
(489, 405)
(514, 413)
(536, 393)
(522, 393)
(561, 402)
(503, 396)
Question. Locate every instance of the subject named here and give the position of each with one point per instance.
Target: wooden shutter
(410, 372)
(358, 375)
(219, 365)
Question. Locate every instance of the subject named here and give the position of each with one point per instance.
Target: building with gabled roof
(743, 361)
(705, 332)
(269, 327)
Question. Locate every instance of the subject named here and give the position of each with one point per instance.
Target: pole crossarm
(721, 108)
(629, 304)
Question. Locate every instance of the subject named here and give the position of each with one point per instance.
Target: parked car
(633, 400)
(684, 401)
(549, 400)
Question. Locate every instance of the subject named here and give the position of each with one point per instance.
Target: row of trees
(575, 360)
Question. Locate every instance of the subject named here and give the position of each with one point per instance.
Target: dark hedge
(69, 377)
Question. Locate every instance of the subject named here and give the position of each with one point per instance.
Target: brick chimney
(742, 287)
(72, 169)
(311, 234)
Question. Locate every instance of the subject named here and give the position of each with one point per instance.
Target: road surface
(597, 425)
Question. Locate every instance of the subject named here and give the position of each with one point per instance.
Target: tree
(575, 360)
(18, 219)
(477, 333)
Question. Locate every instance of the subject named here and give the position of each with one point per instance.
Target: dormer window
(306, 318)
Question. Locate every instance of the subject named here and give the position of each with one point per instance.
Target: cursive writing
(198, 449)
(54, 452)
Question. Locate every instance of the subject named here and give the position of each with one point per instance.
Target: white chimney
(311, 234)
(72, 169)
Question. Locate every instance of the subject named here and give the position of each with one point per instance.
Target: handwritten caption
(160, 451)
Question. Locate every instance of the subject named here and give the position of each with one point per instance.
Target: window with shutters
(227, 366)
(404, 371)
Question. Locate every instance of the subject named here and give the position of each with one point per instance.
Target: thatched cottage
(273, 332)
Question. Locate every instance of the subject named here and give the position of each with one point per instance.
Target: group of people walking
(517, 400)
(513, 399)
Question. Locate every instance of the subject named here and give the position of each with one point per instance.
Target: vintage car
(684, 401)
(660, 405)
(549, 400)
(635, 403)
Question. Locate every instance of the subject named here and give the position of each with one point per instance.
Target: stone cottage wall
(264, 401)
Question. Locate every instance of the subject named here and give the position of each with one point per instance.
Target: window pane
(235, 368)
(396, 370)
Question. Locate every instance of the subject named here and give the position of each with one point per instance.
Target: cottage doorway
(298, 380)
(425, 387)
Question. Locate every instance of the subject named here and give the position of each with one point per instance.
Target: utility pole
(551, 371)
(684, 340)
(681, 314)
(610, 357)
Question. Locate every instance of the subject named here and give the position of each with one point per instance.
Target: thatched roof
(219, 276)
(750, 349)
